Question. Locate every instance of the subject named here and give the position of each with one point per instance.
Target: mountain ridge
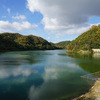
(62, 44)
(16, 41)
(87, 41)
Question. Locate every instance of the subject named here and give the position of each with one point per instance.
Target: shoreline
(29, 50)
(80, 51)
(85, 51)
(93, 94)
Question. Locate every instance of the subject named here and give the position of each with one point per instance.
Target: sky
(53, 20)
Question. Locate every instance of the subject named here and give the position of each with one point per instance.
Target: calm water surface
(44, 75)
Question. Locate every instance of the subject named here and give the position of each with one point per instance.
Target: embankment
(93, 94)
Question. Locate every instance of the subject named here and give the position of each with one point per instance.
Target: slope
(87, 40)
(16, 41)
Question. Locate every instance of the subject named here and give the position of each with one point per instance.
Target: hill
(87, 40)
(16, 41)
(62, 44)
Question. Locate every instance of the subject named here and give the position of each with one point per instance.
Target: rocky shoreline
(80, 51)
(93, 94)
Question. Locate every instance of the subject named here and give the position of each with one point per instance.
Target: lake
(45, 75)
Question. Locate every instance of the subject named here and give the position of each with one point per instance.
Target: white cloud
(8, 10)
(62, 15)
(48, 37)
(6, 26)
(22, 17)
(3, 16)
(73, 31)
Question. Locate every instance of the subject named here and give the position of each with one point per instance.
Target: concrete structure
(96, 50)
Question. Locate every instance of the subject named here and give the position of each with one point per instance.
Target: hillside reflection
(15, 59)
(90, 63)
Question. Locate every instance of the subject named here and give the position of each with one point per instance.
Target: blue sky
(52, 20)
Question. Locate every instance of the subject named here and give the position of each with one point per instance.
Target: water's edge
(93, 94)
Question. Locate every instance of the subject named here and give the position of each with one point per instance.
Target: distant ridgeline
(16, 41)
(62, 44)
(87, 41)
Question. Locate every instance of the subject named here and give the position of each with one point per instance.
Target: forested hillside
(62, 44)
(16, 41)
(87, 40)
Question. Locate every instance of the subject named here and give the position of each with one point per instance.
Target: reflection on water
(90, 63)
(15, 72)
(44, 75)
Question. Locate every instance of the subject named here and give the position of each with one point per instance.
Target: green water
(44, 75)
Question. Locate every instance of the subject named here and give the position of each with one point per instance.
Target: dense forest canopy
(16, 41)
(62, 44)
(87, 40)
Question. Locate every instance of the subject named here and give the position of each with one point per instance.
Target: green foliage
(16, 41)
(87, 40)
(62, 44)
